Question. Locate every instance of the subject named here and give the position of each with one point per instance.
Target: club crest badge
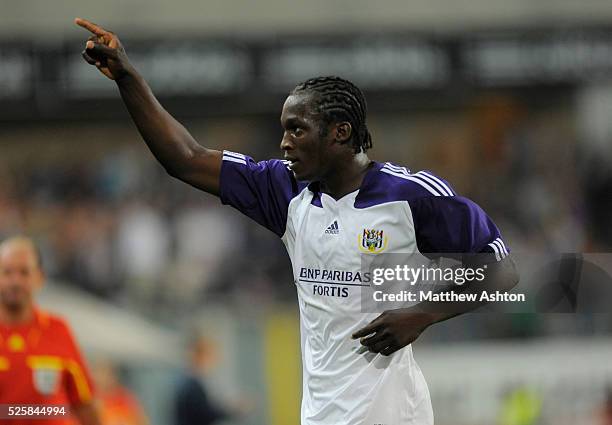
(45, 380)
(372, 241)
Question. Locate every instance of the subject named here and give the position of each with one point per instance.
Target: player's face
(302, 143)
(20, 276)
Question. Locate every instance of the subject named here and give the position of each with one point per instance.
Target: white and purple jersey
(416, 212)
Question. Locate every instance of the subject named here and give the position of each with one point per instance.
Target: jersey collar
(366, 183)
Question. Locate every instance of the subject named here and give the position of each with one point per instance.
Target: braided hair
(337, 99)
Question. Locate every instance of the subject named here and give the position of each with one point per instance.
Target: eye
(297, 132)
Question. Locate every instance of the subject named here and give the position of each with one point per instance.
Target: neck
(346, 177)
(10, 316)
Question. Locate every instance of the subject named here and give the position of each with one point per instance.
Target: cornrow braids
(337, 99)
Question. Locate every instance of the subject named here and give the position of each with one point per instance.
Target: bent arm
(500, 276)
(168, 139)
(395, 329)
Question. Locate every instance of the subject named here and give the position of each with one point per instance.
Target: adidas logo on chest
(333, 229)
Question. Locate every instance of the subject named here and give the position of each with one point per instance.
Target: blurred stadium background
(511, 101)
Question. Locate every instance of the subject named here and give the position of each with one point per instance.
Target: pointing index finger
(90, 26)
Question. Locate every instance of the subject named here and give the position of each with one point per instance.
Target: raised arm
(168, 140)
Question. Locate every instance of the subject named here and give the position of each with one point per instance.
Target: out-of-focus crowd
(119, 227)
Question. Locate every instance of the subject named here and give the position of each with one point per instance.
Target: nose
(285, 144)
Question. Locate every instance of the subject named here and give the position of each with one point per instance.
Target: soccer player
(329, 203)
(40, 363)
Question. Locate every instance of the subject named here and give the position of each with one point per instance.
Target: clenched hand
(392, 330)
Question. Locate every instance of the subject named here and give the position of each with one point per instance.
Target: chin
(306, 178)
(306, 174)
(302, 176)
(299, 177)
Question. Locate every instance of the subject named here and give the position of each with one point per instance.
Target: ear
(40, 279)
(343, 132)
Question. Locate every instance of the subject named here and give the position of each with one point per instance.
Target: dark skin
(330, 160)
(395, 329)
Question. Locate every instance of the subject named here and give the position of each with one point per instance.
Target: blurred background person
(41, 363)
(604, 416)
(520, 406)
(116, 403)
(193, 403)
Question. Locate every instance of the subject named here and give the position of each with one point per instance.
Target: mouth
(13, 295)
(292, 162)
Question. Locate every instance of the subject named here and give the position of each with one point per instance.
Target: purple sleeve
(260, 190)
(454, 224)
